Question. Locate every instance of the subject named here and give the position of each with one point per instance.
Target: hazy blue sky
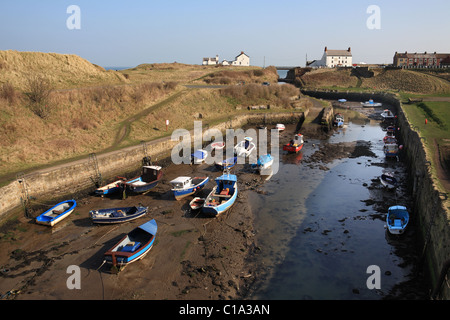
(127, 33)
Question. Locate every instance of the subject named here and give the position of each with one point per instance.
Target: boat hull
(397, 220)
(182, 193)
(107, 216)
(138, 186)
(221, 208)
(50, 218)
(292, 148)
(119, 256)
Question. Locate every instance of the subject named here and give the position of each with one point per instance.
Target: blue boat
(226, 164)
(117, 215)
(134, 246)
(151, 175)
(58, 212)
(222, 196)
(185, 186)
(265, 161)
(397, 219)
(391, 150)
(338, 120)
(199, 156)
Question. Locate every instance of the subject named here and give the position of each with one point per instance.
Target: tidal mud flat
(194, 256)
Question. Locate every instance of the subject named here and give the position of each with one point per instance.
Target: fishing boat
(199, 156)
(295, 145)
(222, 196)
(109, 188)
(389, 140)
(280, 127)
(338, 120)
(185, 186)
(117, 215)
(397, 219)
(391, 150)
(57, 213)
(151, 175)
(387, 114)
(388, 180)
(134, 246)
(265, 161)
(245, 147)
(371, 104)
(226, 164)
(197, 203)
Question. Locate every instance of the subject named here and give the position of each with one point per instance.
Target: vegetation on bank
(42, 122)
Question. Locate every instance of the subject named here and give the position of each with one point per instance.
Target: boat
(109, 188)
(117, 215)
(280, 127)
(151, 175)
(56, 213)
(199, 156)
(185, 186)
(397, 219)
(391, 150)
(342, 100)
(226, 164)
(371, 104)
(134, 246)
(222, 196)
(197, 203)
(245, 147)
(295, 145)
(217, 145)
(265, 161)
(388, 180)
(387, 114)
(389, 140)
(338, 120)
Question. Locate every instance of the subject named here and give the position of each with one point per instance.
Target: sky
(281, 33)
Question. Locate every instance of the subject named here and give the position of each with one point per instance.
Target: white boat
(387, 114)
(245, 147)
(185, 186)
(199, 156)
(280, 127)
(265, 161)
(371, 104)
(57, 213)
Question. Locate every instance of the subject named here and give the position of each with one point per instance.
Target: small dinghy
(265, 161)
(117, 215)
(245, 147)
(55, 214)
(388, 180)
(133, 247)
(197, 203)
(397, 219)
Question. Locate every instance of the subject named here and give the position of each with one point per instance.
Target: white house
(241, 60)
(333, 58)
(211, 61)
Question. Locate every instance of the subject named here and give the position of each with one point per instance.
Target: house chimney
(349, 49)
(326, 49)
(242, 52)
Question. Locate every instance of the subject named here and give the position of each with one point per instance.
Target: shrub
(8, 93)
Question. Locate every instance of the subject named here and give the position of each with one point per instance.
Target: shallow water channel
(321, 225)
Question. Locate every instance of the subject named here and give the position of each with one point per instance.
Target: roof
(153, 167)
(338, 53)
(242, 53)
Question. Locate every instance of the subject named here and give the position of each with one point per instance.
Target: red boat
(295, 145)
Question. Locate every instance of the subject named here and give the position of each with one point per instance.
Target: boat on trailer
(117, 215)
(397, 219)
(132, 247)
(185, 186)
(56, 213)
